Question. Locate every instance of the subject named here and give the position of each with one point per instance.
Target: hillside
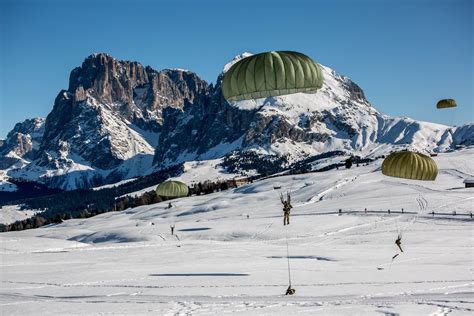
(230, 253)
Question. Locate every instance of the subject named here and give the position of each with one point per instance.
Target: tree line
(84, 203)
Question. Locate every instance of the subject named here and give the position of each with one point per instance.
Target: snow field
(129, 263)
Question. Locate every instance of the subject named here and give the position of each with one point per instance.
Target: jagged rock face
(138, 93)
(106, 103)
(194, 132)
(24, 139)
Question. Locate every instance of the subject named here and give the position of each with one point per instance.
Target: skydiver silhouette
(290, 291)
(286, 208)
(398, 242)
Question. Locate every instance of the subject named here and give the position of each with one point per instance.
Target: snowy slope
(193, 173)
(6, 185)
(223, 261)
(12, 213)
(200, 171)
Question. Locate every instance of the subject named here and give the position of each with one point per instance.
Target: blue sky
(404, 54)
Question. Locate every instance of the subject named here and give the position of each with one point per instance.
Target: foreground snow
(222, 261)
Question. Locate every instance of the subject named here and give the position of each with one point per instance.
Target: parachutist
(398, 242)
(290, 291)
(286, 208)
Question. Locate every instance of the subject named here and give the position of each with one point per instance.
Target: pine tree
(348, 163)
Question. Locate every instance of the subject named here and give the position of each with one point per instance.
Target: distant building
(469, 183)
(237, 182)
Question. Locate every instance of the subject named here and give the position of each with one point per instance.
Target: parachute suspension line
(287, 248)
(288, 259)
(390, 206)
(399, 229)
(422, 206)
(280, 190)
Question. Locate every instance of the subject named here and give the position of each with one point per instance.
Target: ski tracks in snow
(320, 196)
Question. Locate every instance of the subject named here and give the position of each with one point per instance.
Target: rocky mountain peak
(22, 141)
(112, 113)
(234, 60)
(107, 79)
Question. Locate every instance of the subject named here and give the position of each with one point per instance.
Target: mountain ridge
(119, 119)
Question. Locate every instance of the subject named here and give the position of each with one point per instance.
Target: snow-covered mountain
(297, 126)
(105, 127)
(119, 119)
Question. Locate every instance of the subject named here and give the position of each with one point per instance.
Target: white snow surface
(229, 254)
(108, 186)
(5, 185)
(200, 171)
(12, 213)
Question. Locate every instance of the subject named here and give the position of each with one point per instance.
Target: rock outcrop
(22, 142)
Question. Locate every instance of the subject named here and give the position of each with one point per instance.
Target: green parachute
(446, 103)
(172, 189)
(271, 74)
(410, 165)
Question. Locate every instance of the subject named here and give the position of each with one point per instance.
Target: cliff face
(112, 111)
(138, 93)
(21, 142)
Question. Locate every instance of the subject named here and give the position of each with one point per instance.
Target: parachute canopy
(172, 189)
(446, 103)
(410, 165)
(271, 74)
